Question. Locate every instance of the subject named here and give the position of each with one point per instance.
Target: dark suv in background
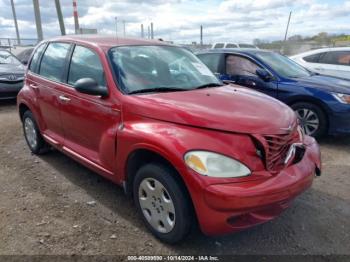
(11, 75)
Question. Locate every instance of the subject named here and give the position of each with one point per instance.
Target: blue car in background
(322, 103)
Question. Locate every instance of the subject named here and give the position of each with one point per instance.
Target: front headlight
(342, 98)
(215, 165)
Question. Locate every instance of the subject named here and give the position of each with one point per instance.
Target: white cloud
(230, 20)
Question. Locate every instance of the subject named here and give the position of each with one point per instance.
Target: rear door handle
(34, 86)
(64, 98)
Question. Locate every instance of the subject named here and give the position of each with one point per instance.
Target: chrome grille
(276, 149)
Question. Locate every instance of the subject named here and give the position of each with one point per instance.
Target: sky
(180, 20)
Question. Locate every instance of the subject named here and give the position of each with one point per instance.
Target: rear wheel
(162, 202)
(32, 134)
(312, 119)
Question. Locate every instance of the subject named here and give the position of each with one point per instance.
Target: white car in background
(326, 61)
(232, 45)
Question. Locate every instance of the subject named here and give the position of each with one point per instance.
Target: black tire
(41, 146)
(323, 124)
(183, 214)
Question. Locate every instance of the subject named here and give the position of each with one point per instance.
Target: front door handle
(64, 98)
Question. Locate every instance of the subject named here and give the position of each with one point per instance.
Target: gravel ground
(52, 205)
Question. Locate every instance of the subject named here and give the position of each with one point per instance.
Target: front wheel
(162, 202)
(312, 119)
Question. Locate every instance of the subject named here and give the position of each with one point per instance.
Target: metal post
(15, 20)
(60, 17)
(201, 41)
(116, 26)
(152, 33)
(148, 33)
(76, 19)
(142, 31)
(38, 20)
(286, 34)
(124, 28)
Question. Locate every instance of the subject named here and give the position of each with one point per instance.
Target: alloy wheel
(309, 120)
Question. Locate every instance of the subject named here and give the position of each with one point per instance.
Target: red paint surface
(220, 119)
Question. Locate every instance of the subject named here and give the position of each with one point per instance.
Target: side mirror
(90, 87)
(263, 74)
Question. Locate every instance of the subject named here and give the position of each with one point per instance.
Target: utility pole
(116, 26)
(286, 34)
(124, 28)
(76, 19)
(152, 33)
(60, 17)
(15, 20)
(201, 41)
(38, 20)
(142, 31)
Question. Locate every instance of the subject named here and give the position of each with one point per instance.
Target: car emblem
(12, 77)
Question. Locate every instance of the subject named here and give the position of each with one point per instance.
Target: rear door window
(336, 58)
(313, 58)
(54, 61)
(85, 64)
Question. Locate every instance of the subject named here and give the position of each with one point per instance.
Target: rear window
(53, 62)
(246, 46)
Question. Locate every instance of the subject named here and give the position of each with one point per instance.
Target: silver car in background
(326, 61)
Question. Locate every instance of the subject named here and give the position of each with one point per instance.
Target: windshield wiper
(208, 85)
(157, 89)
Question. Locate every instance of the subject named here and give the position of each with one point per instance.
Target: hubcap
(30, 132)
(309, 120)
(157, 205)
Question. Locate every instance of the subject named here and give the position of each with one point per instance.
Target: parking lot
(52, 205)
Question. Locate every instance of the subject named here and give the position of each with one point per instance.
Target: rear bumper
(10, 90)
(236, 206)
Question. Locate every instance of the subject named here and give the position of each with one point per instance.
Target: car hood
(326, 83)
(11, 69)
(227, 108)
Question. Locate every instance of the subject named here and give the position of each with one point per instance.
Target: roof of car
(107, 41)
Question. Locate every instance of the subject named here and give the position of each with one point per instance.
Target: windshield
(283, 65)
(8, 58)
(156, 68)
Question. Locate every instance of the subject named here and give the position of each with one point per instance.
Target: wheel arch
(22, 108)
(311, 100)
(141, 156)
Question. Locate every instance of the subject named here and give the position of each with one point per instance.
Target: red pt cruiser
(151, 117)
